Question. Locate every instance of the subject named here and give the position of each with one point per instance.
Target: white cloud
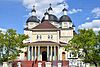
(95, 25)
(74, 11)
(42, 5)
(96, 12)
(3, 30)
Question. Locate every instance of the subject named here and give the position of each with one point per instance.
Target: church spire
(33, 11)
(50, 10)
(65, 10)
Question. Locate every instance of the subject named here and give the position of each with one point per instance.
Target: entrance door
(63, 56)
(44, 56)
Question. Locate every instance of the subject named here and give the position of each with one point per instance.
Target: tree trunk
(95, 64)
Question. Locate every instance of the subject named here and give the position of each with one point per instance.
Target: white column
(47, 52)
(28, 52)
(59, 64)
(38, 52)
(48, 64)
(5, 64)
(35, 53)
(54, 52)
(58, 36)
(32, 53)
(39, 64)
(58, 53)
(19, 64)
(51, 54)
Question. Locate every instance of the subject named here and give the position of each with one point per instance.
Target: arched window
(39, 37)
(50, 36)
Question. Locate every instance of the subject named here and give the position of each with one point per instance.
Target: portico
(47, 51)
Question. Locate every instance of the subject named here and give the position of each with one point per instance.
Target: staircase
(35, 64)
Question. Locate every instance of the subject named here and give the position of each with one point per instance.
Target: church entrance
(44, 56)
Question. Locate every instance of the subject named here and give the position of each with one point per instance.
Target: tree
(10, 41)
(87, 45)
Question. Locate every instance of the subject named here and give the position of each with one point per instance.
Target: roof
(62, 42)
(26, 28)
(42, 43)
(53, 18)
(65, 18)
(45, 25)
(33, 19)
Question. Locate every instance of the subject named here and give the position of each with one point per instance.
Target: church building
(49, 36)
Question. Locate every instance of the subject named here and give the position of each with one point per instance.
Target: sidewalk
(0, 65)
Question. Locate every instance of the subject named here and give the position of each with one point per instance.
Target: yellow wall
(66, 35)
(66, 24)
(44, 36)
(66, 32)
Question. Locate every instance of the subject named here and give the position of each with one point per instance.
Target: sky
(83, 13)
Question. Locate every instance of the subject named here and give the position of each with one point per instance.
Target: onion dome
(51, 18)
(65, 18)
(33, 18)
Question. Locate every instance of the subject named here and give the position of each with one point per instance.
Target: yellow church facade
(48, 37)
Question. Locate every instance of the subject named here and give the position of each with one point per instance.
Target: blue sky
(84, 13)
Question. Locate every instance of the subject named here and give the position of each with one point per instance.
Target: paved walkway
(0, 65)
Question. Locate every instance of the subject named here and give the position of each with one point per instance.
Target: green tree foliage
(10, 42)
(87, 45)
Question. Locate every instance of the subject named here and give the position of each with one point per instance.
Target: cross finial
(50, 4)
(33, 6)
(33, 10)
(64, 3)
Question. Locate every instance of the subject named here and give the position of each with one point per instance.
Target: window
(39, 37)
(50, 36)
(31, 23)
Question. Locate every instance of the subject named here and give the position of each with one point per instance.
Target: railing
(40, 64)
